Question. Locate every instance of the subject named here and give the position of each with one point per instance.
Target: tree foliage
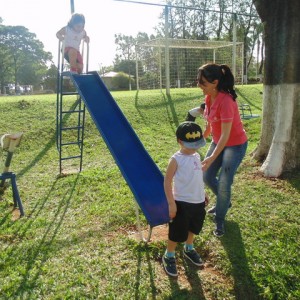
(120, 82)
(201, 20)
(23, 58)
(50, 79)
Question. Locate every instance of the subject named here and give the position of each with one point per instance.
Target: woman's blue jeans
(219, 176)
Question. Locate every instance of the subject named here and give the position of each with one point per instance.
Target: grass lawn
(78, 237)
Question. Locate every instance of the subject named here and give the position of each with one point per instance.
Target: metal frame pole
(72, 6)
(137, 68)
(167, 60)
(234, 45)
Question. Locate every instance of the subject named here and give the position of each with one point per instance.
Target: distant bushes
(121, 82)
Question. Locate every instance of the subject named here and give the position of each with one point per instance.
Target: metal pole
(137, 68)
(160, 70)
(6, 167)
(167, 61)
(234, 45)
(72, 6)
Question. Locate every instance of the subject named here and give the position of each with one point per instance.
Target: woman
(229, 140)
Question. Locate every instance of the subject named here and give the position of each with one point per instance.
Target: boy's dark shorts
(189, 217)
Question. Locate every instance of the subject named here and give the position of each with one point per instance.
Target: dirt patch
(16, 214)
(159, 233)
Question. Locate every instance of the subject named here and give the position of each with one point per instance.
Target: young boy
(184, 190)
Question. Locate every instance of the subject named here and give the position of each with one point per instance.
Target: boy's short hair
(190, 133)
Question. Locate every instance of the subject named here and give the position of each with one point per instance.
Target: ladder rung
(68, 93)
(72, 128)
(72, 111)
(70, 157)
(71, 143)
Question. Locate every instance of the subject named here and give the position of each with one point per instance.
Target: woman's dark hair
(76, 19)
(222, 73)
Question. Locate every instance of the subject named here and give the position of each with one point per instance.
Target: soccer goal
(160, 62)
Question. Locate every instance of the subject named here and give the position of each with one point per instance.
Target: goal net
(179, 59)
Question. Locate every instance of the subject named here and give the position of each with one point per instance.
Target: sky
(104, 19)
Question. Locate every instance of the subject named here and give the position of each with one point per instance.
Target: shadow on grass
(293, 178)
(24, 224)
(137, 106)
(172, 115)
(196, 293)
(35, 254)
(153, 289)
(47, 147)
(244, 286)
(5, 217)
(40, 155)
(192, 276)
(167, 103)
(249, 101)
(160, 104)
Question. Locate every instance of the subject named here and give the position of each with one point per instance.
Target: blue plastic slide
(139, 170)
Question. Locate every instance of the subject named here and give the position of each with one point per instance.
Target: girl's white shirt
(73, 39)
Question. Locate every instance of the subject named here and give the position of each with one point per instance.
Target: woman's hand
(207, 130)
(207, 162)
(225, 132)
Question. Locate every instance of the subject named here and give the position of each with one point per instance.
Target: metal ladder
(70, 116)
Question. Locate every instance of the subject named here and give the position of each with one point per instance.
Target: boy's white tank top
(73, 39)
(188, 185)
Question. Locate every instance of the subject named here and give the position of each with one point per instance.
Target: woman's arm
(207, 130)
(225, 129)
(168, 183)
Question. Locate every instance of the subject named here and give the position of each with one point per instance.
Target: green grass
(75, 241)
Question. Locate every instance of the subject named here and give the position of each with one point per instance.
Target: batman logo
(193, 135)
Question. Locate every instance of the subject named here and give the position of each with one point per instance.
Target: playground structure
(246, 112)
(69, 119)
(137, 167)
(9, 143)
(139, 170)
(183, 59)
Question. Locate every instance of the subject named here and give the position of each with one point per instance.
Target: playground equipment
(9, 142)
(69, 119)
(137, 167)
(246, 112)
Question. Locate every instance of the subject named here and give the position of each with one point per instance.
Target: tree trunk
(262, 59)
(280, 137)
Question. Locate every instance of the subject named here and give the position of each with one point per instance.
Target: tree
(5, 68)
(280, 136)
(213, 20)
(249, 30)
(50, 79)
(23, 49)
(126, 66)
(125, 47)
(120, 82)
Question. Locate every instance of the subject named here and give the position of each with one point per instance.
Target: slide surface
(137, 167)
